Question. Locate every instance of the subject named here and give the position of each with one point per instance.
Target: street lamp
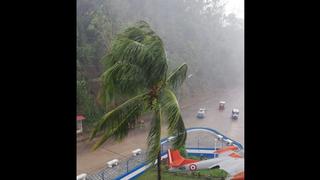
(128, 163)
(215, 143)
(135, 153)
(102, 174)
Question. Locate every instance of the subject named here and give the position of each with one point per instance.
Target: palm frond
(177, 77)
(116, 121)
(125, 46)
(139, 45)
(154, 60)
(154, 145)
(171, 109)
(134, 33)
(122, 79)
(129, 43)
(108, 60)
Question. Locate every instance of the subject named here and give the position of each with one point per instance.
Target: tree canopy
(196, 32)
(136, 80)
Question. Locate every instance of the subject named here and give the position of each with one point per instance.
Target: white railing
(112, 163)
(136, 152)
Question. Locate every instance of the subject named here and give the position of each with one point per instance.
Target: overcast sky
(235, 6)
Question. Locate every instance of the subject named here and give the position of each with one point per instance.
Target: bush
(183, 151)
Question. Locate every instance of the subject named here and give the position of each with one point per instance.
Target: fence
(200, 142)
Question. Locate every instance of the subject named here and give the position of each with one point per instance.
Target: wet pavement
(215, 118)
(89, 161)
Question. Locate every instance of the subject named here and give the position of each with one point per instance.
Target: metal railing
(200, 140)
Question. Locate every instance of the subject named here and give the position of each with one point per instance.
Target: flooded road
(89, 161)
(219, 120)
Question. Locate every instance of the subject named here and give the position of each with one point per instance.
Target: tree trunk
(159, 165)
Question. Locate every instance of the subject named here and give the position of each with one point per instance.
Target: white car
(201, 113)
(235, 114)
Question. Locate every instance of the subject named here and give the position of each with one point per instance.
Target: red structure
(228, 160)
(239, 176)
(80, 118)
(176, 160)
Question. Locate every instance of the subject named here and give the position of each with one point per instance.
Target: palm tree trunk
(159, 165)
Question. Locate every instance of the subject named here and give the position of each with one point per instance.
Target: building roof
(80, 117)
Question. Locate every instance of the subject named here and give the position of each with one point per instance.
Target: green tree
(136, 75)
(197, 32)
(86, 104)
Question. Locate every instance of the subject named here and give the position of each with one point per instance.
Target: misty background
(205, 34)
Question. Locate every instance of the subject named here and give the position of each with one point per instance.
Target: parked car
(201, 113)
(235, 114)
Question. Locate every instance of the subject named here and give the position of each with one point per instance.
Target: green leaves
(171, 109)
(116, 121)
(177, 77)
(122, 79)
(154, 136)
(139, 47)
(137, 63)
(154, 61)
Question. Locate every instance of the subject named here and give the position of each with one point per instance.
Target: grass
(152, 174)
(214, 174)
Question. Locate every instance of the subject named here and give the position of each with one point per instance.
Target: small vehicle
(235, 114)
(201, 113)
(221, 105)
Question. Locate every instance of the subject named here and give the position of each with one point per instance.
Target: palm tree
(136, 78)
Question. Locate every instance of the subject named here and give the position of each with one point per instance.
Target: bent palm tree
(136, 77)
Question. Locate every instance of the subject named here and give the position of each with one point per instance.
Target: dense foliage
(136, 82)
(213, 174)
(196, 32)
